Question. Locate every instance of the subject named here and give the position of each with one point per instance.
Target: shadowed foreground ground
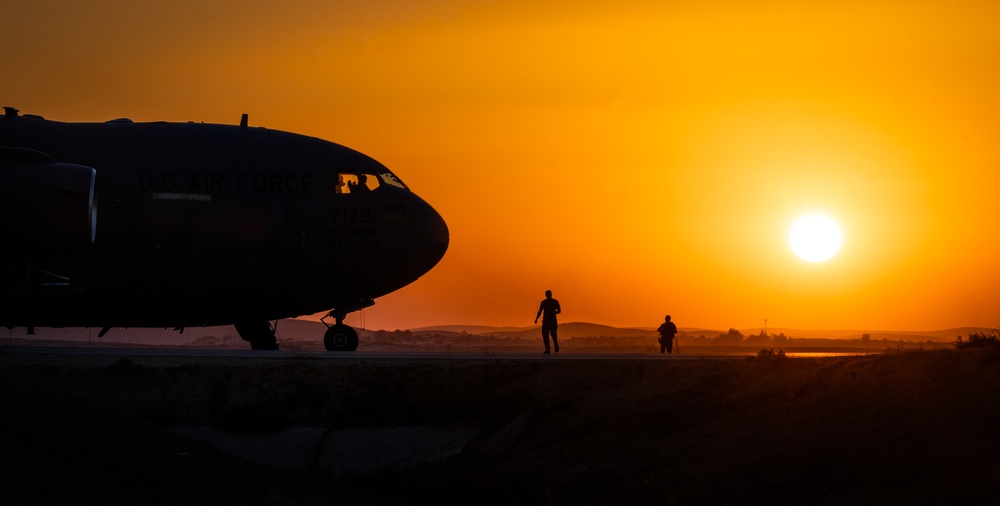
(903, 427)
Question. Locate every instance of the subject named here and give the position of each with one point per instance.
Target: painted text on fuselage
(216, 182)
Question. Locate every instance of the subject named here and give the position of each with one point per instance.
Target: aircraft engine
(46, 208)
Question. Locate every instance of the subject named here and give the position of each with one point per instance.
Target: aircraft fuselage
(191, 224)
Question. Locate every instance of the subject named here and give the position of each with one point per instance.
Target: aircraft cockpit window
(348, 182)
(390, 178)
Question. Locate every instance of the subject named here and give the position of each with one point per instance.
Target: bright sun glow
(815, 238)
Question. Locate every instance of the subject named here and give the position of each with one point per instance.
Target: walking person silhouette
(667, 331)
(548, 310)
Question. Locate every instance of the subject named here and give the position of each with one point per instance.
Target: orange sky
(635, 158)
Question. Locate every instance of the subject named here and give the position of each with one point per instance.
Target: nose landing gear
(340, 337)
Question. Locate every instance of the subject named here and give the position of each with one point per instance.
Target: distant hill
(310, 330)
(566, 330)
(584, 329)
(287, 329)
(470, 329)
(891, 335)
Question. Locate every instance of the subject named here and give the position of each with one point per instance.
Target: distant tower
(765, 326)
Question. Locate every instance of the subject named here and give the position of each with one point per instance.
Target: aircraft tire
(340, 337)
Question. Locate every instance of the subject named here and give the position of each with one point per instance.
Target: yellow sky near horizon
(636, 158)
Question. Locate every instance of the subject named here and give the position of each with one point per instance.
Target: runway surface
(166, 356)
(114, 425)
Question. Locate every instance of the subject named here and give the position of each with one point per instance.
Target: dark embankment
(906, 427)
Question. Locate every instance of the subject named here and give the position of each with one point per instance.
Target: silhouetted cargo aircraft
(199, 225)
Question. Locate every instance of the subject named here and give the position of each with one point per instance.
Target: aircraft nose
(431, 234)
(425, 232)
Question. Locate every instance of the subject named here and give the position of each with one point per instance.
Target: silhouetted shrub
(979, 340)
(770, 354)
(732, 337)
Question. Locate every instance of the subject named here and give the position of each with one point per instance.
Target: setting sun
(815, 238)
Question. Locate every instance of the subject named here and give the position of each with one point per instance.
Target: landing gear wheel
(340, 337)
